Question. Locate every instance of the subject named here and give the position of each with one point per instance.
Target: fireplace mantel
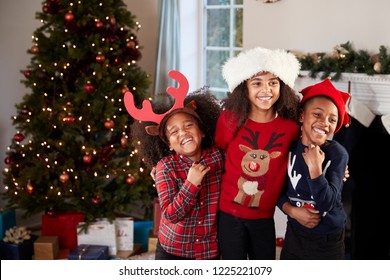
(372, 91)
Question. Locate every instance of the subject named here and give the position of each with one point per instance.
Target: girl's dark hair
(239, 104)
(152, 149)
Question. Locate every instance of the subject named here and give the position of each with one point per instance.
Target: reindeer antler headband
(147, 113)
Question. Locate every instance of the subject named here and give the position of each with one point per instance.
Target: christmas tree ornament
(130, 44)
(35, 49)
(88, 87)
(124, 141)
(125, 89)
(69, 119)
(109, 124)
(96, 200)
(87, 158)
(130, 179)
(64, 177)
(8, 160)
(30, 188)
(69, 17)
(378, 67)
(27, 74)
(18, 137)
(100, 57)
(279, 241)
(99, 24)
(45, 9)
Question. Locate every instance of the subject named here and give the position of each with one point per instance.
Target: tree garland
(345, 59)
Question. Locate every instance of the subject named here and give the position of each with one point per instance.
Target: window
(222, 38)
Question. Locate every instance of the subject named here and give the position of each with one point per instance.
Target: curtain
(168, 45)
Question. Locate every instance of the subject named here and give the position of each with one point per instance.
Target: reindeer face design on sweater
(254, 165)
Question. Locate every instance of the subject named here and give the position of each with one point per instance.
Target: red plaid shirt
(188, 225)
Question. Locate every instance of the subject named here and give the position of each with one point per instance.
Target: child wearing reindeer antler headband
(188, 170)
(315, 177)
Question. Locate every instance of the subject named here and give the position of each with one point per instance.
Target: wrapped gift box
(46, 248)
(63, 225)
(89, 252)
(7, 220)
(101, 232)
(124, 228)
(141, 233)
(21, 251)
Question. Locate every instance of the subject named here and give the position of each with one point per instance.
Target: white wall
(316, 25)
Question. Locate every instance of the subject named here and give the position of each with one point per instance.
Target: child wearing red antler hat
(316, 170)
(188, 170)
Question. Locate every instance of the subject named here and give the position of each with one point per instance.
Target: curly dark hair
(152, 149)
(238, 102)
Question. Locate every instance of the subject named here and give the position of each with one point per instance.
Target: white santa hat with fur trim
(253, 61)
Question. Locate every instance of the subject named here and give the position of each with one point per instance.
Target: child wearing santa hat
(256, 128)
(316, 170)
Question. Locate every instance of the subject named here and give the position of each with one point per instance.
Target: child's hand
(307, 217)
(346, 174)
(196, 173)
(314, 157)
(153, 173)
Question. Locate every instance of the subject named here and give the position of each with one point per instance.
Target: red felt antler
(146, 112)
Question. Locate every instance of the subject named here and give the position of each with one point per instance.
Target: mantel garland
(345, 59)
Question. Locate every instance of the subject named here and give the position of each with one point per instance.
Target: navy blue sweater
(323, 193)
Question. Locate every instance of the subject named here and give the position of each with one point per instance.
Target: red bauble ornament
(100, 58)
(125, 89)
(130, 179)
(18, 137)
(96, 200)
(64, 177)
(35, 49)
(109, 124)
(279, 241)
(99, 24)
(69, 119)
(27, 74)
(45, 9)
(131, 44)
(8, 160)
(124, 141)
(88, 87)
(69, 17)
(87, 158)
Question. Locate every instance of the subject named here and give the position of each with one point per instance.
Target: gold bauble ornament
(377, 67)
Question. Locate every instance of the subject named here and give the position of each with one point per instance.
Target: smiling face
(184, 135)
(264, 91)
(319, 120)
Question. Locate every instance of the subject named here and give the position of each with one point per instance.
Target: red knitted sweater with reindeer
(256, 165)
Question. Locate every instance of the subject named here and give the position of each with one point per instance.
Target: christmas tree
(71, 149)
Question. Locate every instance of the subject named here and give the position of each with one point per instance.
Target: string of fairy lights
(57, 71)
